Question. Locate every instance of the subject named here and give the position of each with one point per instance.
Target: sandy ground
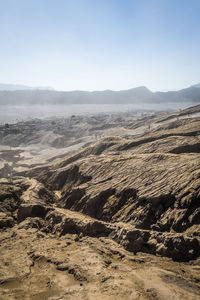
(70, 267)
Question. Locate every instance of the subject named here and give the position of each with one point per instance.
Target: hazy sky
(100, 44)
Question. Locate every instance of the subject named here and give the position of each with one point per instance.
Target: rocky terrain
(111, 212)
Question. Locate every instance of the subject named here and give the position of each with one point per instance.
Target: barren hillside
(117, 217)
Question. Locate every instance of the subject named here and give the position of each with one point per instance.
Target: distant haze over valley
(16, 87)
(19, 102)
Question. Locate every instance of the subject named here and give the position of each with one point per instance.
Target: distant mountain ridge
(197, 85)
(132, 96)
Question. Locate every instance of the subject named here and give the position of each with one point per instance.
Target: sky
(100, 44)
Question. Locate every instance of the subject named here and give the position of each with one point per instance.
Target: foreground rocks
(82, 267)
(179, 247)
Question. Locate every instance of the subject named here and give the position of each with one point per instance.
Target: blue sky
(100, 44)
